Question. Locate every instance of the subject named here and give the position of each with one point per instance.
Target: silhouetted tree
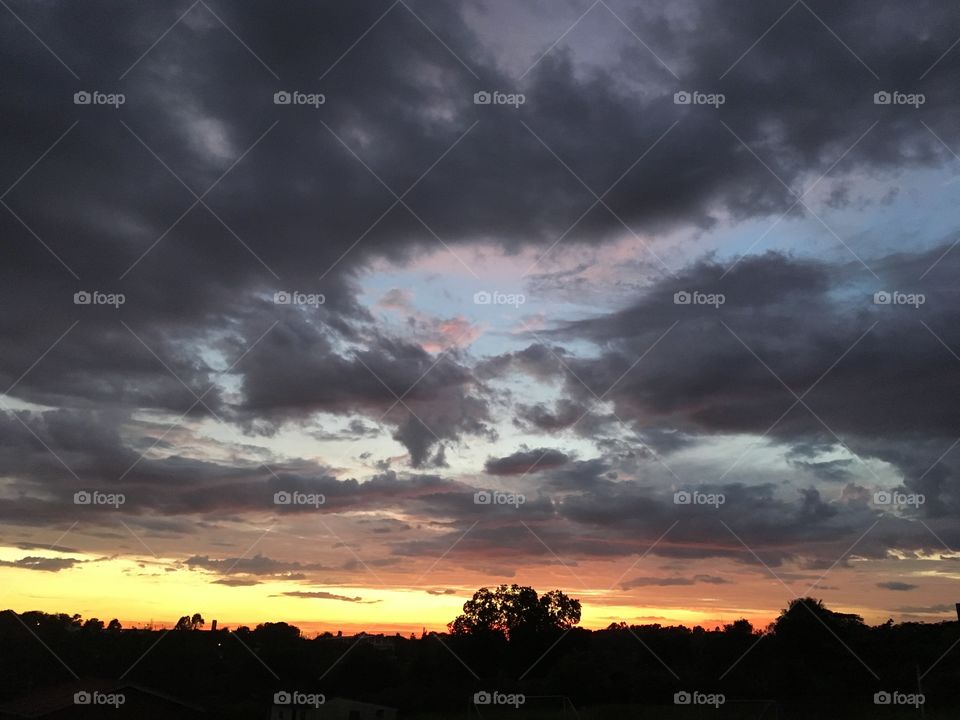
(740, 628)
(806, 614)
(510, 610)
(190, 623)
(811, 658)
(277, 632)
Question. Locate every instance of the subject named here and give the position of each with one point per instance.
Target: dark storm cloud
(563, 415)
(587, 513)
(755, 526)
(50, 456)
(526, 461)
(300, 200)
(291, 208)
(297, 371)
(876, 374)
(198, 99)
(759, 527)
(537, 360)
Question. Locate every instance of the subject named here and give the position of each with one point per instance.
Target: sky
(333, 313)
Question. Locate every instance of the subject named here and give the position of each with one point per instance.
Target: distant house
(379, 642)
(334, 709)
(82, 699)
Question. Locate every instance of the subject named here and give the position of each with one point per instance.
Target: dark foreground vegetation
(510, 641)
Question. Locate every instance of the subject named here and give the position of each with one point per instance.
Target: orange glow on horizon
(146, 591)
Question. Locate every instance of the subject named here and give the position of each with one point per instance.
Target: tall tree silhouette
(513, 610)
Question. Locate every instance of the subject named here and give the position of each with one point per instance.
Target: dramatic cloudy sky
(780, 202)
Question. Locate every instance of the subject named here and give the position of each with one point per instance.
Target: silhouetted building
(379, 642)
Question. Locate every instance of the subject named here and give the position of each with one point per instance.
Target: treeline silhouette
(511, 640)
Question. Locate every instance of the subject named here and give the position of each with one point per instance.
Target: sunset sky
(692, 250)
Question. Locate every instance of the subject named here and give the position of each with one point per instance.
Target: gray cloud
(257, 565)
(323, 595)
(671, 581)
(926, 610)
(236, 582)
(508, 184)
(526, 461)
(301, 211)
(898, 586)
(43, 564)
